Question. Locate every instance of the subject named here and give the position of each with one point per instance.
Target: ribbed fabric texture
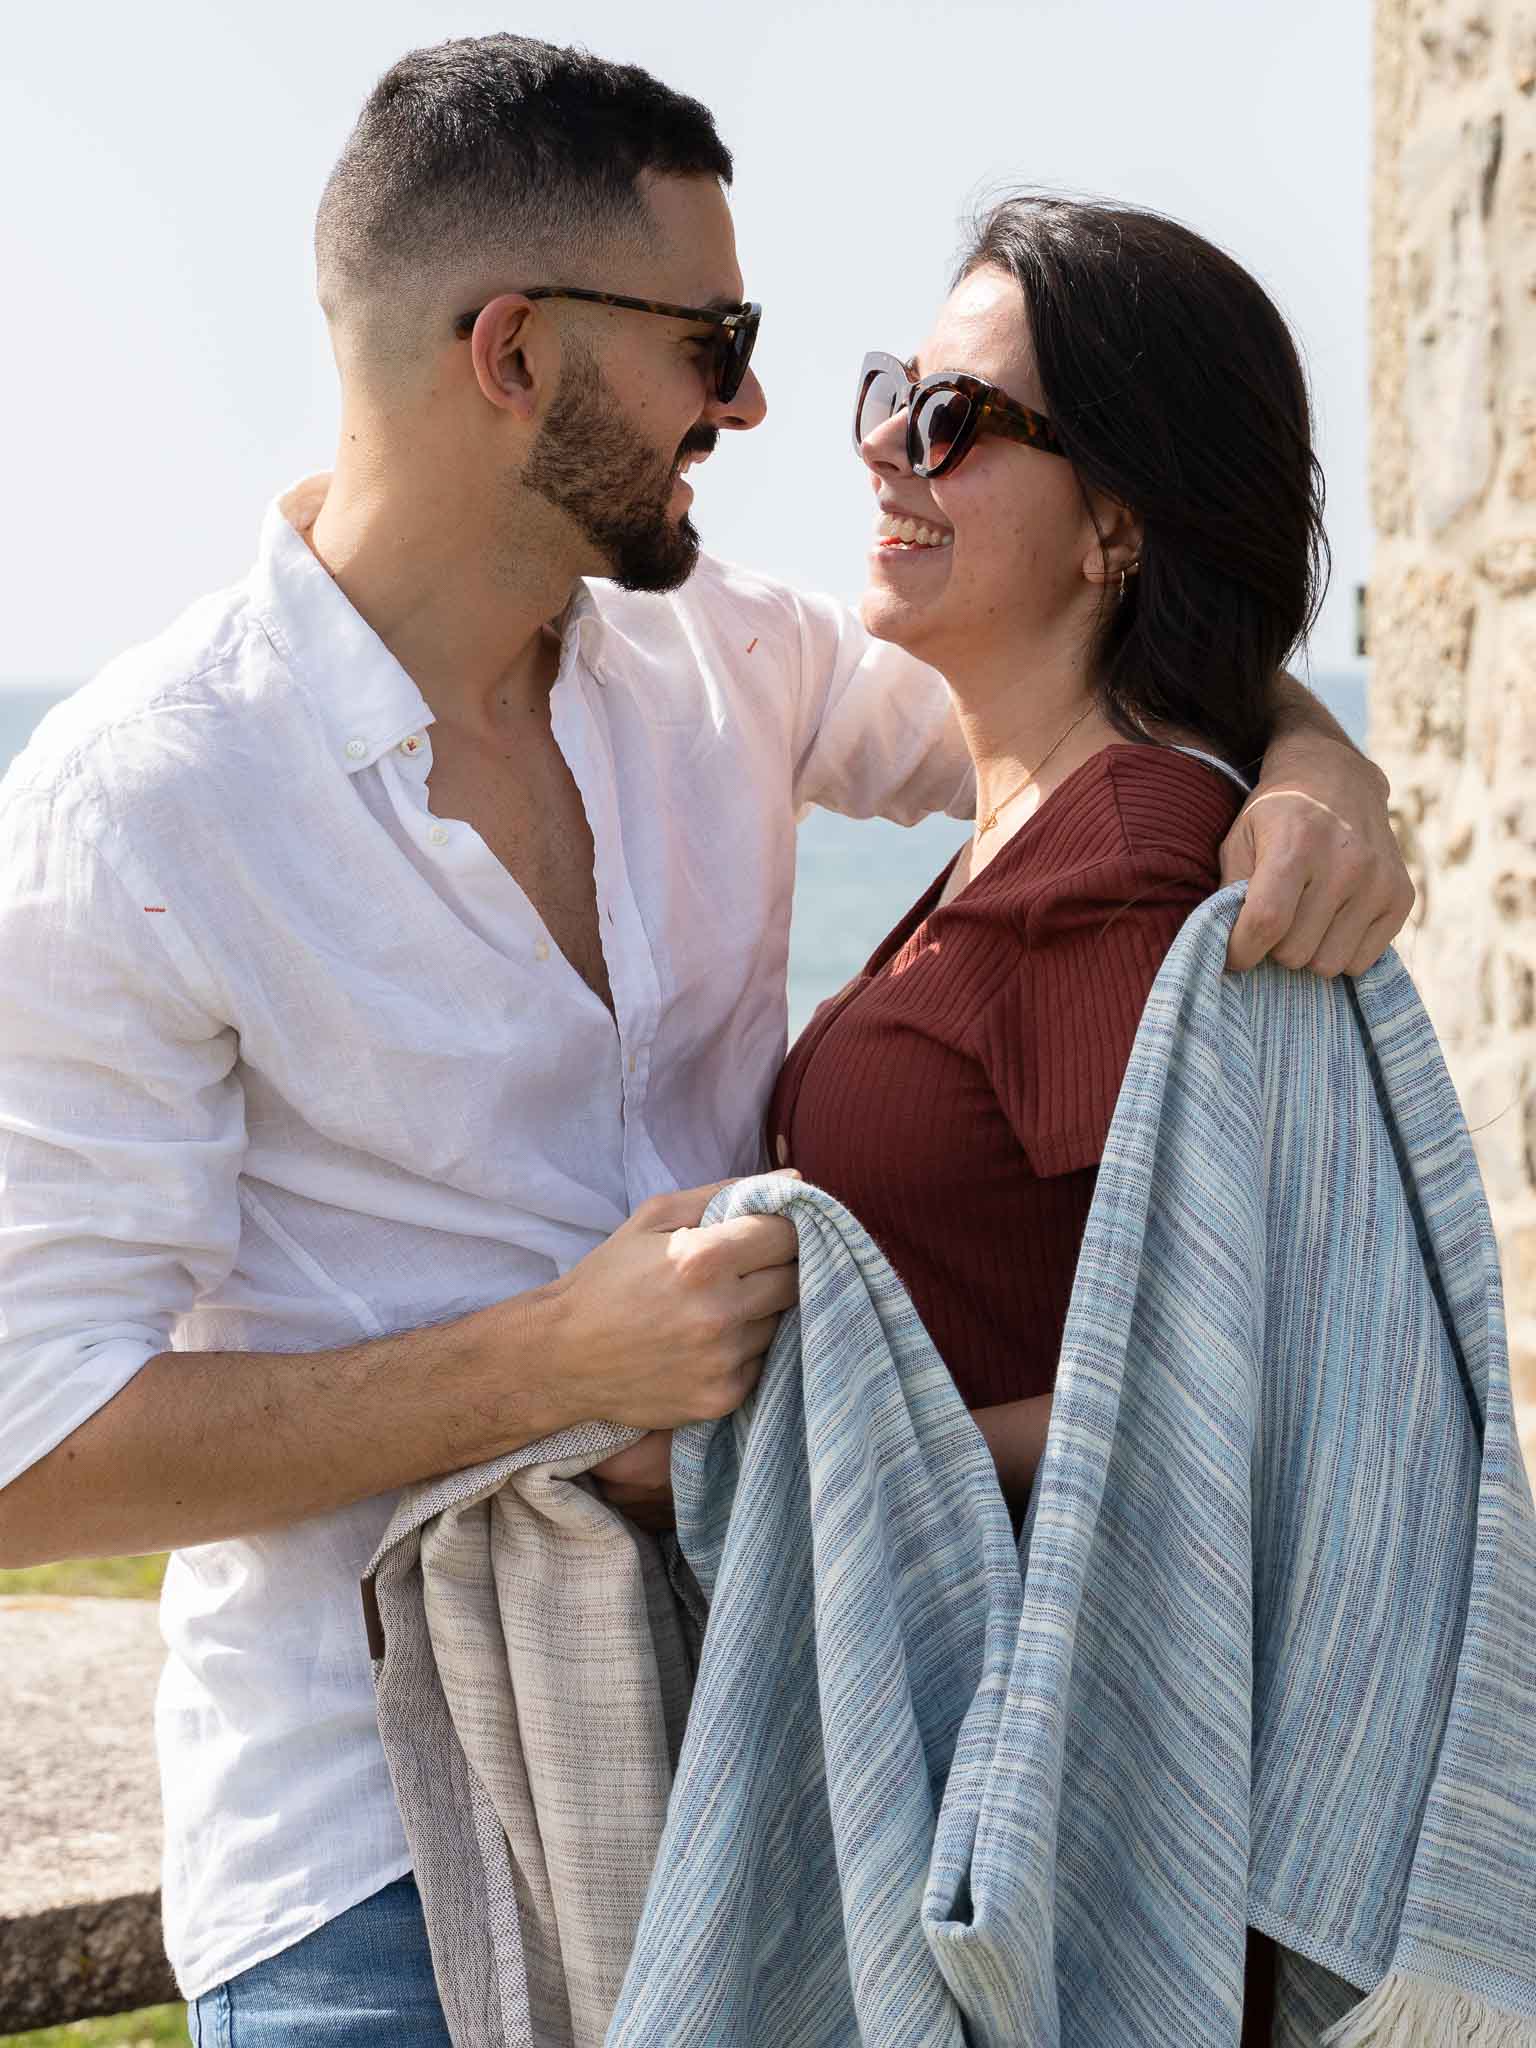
(957, 1094)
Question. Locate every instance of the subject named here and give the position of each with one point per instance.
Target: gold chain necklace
(985, 824)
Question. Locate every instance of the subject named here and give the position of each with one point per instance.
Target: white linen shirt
(287, 1061)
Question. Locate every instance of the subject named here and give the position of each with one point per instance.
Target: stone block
(1519, 1259)
(1522, 50)
(1509, 564)
(1521, 472)
(1496, 1095)
(1522, 189)
(1454, 41)
(1421, 638)
(1505, 738)
(1391, 492)
(1452, 324)
(79, 1811)
(1453, 454)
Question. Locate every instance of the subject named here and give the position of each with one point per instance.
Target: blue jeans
(361, 1981)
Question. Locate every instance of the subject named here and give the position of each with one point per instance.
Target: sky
(164, 368)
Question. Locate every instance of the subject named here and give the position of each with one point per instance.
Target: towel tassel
(1409, 2011)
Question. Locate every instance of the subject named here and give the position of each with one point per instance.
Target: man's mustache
(700, 442)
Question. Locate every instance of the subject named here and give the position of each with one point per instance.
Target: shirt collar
(365, 701)
(581, 627)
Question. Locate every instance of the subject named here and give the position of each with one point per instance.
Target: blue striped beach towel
(1272, 1655)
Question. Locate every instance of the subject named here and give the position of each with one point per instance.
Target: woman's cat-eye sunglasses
(945, 413)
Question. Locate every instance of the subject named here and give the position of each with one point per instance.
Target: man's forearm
(1302, 715)
(664, 1322)
(202, 1445)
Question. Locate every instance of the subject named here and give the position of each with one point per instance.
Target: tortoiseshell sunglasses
(945, 413)
(733, 350)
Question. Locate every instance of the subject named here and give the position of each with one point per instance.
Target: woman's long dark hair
(1177, 391)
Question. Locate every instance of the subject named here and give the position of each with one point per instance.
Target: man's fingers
(682, 1211)
(1237, 851)
(749, 1243)
(1341, 942)
(1315, 912)
(1375, 942)
(1327, 941)
(770, 1292)
(1268, 913)
(752, 1342)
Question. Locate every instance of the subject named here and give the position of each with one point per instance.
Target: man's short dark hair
(498, 150)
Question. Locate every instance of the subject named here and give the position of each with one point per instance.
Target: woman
(1100, 518)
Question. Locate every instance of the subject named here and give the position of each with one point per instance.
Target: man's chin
(665, 562)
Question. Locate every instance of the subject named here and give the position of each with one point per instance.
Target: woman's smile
(904, 537)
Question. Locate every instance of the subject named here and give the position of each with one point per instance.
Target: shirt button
(439, 835)
(356, 749)
(781, 1149)
(412, 743)
(541, 949)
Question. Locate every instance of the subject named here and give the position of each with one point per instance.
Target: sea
(855, 877)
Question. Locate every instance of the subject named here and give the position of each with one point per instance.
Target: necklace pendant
(987, 823)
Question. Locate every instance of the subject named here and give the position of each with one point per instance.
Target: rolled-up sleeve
(876, 733)
(122, 1128)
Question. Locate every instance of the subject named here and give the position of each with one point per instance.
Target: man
(393, 938)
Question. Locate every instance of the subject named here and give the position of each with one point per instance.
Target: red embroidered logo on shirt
(155, 909)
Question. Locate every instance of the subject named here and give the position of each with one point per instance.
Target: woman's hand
(638, 1481)
(1327, 888)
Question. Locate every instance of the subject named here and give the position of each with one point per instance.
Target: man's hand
(1327, 888)
(669, 1323)
(638, 1481)
(663, 1323)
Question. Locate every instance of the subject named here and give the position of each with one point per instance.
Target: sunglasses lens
(881, 393)
(938, 422)
(736, 348)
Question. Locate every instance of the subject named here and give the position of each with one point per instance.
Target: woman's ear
(1117, 547)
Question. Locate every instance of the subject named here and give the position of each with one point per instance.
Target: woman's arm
(1015, 1435)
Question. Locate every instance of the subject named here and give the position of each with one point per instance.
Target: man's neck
(413, 561)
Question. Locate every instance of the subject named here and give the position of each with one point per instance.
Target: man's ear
(505, 347)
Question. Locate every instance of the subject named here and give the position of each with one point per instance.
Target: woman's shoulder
(1167, 796)
(1133, 804)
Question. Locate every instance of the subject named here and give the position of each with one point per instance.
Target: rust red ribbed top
(957, 1094)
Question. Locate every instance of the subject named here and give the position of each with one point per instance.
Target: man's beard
(593, 464)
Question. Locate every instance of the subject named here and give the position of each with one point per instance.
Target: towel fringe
(1409, 2011)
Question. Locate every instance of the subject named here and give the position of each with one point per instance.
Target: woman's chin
(887, 615)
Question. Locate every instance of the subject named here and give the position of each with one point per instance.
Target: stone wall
(1453, 590)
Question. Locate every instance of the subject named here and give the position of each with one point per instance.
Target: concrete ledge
(80, 1962)
(79, 1811)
